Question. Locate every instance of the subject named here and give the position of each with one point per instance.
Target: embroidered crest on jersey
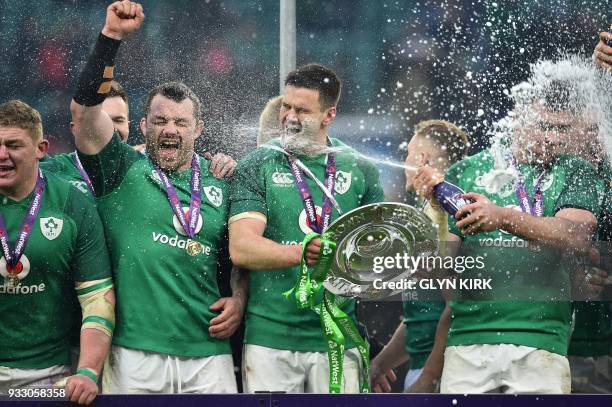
(155, 177)
(214, 195)
(22, 268)
(51, 227)
(80, 185)
(179, 228)
(343, 181)
(547, 181)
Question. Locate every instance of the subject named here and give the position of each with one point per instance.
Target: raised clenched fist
(122, 18)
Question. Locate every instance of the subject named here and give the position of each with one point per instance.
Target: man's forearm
(239, 283)
(394, 353)
(94, 348)
(258, 253)
(93, 128)
(553, 231)
(435, 362)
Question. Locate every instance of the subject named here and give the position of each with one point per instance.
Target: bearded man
(274, 205)
(164, 215)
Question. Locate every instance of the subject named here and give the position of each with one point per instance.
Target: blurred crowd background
(400, 61)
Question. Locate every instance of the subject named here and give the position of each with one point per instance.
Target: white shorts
(14, 378)
(411, 376)
(268, 369)
(131, 371)
(504, 368)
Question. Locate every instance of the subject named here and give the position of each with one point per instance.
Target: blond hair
(269, 124)
(451, 142)
(16, 113)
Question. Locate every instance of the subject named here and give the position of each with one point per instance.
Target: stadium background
(400, 62)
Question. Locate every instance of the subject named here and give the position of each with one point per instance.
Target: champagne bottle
(449, 197)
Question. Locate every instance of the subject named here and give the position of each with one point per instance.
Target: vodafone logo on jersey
(22, 268)
(179, 228)
(305, 224)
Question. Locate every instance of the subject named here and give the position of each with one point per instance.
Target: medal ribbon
(84, 175)
(196, 197)
(537, 209)
(12, 256)
(336, 323)
(309, 207)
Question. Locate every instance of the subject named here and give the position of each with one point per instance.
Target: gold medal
(193, 248)
(12, 281)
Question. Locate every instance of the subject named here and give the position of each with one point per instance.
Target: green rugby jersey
(67, 245)
(163, 293)
(65, 166)
(263, 183)
(516, 270)
(592, 334)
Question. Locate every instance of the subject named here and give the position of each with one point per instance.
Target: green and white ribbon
(336, 324)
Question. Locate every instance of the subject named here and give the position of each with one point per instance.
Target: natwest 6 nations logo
(305, 224)
(21, 269)
(179, 228)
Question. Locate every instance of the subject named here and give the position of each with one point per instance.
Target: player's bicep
(92, 127)
(247, 224)
(244, 229)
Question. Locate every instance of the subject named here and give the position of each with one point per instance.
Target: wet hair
(450, 140)
(176, 91)
(320, 78)
(16, 113)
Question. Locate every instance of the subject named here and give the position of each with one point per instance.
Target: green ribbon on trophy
(346, 269)
(336, 324)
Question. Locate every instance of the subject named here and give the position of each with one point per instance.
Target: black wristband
(95, 79)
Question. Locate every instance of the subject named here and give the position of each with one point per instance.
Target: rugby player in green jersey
(164, 216)
(517, 346)
(52, 244)
(284, 346)
(590, 349)
(439, 144)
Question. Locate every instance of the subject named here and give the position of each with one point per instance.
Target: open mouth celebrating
(168, 148)
(6, 169)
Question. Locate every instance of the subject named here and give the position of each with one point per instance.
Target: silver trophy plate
(372, 231)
